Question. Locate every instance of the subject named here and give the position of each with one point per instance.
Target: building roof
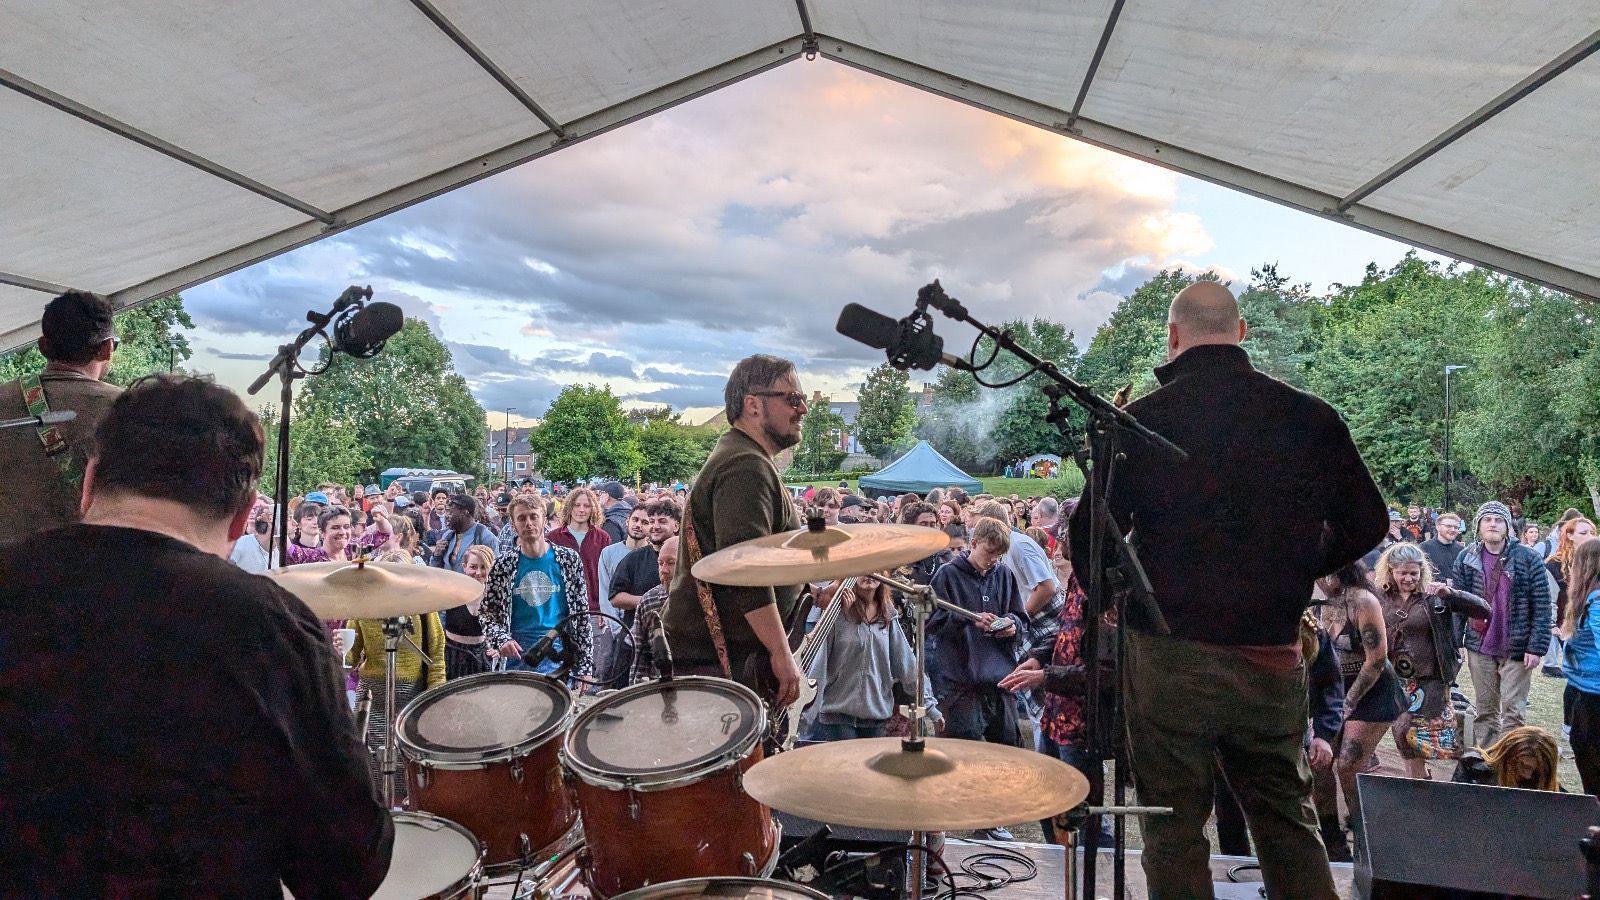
(152, 146)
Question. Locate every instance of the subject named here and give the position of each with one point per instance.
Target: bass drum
(484, 751)
(724, 889)
(657, 771)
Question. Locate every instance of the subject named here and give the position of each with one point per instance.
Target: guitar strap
(708, 604)
(50, 436)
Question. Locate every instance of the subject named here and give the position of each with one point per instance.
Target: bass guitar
(784, 722)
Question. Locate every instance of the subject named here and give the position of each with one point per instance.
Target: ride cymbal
(346, 590)
(839, 551)
(951, 785)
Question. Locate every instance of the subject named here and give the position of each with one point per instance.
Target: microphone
(541, 649)
(363, 333)
(909, 343)
(53, 417)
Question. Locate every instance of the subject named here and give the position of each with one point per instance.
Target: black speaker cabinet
(1437, 839)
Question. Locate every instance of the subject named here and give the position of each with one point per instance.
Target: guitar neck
(808, 651)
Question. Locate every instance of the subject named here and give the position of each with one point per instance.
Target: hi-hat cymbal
(344, 590)
(950, 785)
(790, 557)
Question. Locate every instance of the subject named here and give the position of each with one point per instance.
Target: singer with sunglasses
(44, 465)
(741, 632)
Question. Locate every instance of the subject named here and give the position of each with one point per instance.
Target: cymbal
(344, 590)
(951, 785)
(839, 551)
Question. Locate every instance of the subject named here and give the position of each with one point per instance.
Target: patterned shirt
(646, 621)
(1062, 718)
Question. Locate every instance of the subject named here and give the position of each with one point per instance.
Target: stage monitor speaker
(1438, 839)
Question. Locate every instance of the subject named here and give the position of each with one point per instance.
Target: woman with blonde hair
(857, 667)
(579, 530)
(1581, 630)
(465, 651)
(1524, 757)
(1423, 618)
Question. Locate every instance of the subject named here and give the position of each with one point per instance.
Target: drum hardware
(516, 771)
(749, 863)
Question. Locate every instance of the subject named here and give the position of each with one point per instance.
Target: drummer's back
(170, 722)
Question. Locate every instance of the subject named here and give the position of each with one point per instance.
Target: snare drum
(657, 770)
(433, 859)
(725, 889)
(483, 751)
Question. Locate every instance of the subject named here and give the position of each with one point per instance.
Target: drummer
(214, 758)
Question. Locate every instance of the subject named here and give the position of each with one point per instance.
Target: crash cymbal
(951, 785)
(790, 557)
(344, 590)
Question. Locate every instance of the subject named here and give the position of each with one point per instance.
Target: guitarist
(739, 632)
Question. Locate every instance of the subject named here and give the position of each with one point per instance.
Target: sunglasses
(795, 399)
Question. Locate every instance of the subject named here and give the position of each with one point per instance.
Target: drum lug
(750, 869)
(422, 777)
(634, 810)
(516, 771)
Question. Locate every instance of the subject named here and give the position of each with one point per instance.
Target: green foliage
(1128, 347)
(670, 450)
(820, 429)
(977, 427)
(151, 342)
(321, 449)
(886, 415)
(586, 435)
(404, 407)
(1280, 317)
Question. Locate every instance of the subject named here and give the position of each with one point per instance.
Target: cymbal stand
(394, 631)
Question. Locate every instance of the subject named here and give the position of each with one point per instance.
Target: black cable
(972, 360)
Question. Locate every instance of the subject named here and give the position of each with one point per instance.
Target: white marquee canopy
(149, 146)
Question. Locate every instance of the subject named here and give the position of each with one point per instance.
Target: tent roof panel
(576, 58)
(88, 209)
(1323, 95)
(330, 104)
(1037, 49)
(19, 307)
(1534, 167)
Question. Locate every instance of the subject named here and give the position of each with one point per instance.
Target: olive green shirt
(35, 493)
(736, 497)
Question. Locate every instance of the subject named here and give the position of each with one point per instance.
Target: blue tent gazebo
(920, 470)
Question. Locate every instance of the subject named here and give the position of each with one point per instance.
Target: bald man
(1273, 495)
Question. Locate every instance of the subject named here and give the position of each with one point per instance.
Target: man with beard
(741, 632)
(1443, 548)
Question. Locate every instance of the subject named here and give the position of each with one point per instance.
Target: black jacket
(1273, 496)
(1528, 608)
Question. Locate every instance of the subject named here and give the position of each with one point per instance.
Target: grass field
(1071, 483)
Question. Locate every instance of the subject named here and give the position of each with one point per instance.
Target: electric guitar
(784, 724)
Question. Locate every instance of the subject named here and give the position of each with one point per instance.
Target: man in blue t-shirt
(538, 602)
(533, 586)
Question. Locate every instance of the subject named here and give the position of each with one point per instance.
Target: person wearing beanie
(45, 466)
(1503, 650)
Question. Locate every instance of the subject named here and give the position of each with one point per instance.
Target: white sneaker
(997, 834)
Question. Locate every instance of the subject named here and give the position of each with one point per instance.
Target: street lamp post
(505, 436)
(1449, 468)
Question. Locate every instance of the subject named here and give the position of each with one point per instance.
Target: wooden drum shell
(496, 803)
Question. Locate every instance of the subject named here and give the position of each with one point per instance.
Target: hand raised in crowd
(1026, 677)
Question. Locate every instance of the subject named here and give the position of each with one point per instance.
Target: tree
(406, 407)
(886, 414)
(320, 450)
(1280, 317)
(1128, 347)
(670, 450)
(820, 430)
(975, 426)
(1379, 356)
(586, 435)
(151, 342)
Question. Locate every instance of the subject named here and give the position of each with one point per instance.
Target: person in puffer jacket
(1503, 650)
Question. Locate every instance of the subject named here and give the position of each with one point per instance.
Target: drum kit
(661, 790)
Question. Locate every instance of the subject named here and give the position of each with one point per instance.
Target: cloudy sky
(653, 257)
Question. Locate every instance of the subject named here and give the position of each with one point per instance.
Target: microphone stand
(1108, 425)
(286, 365)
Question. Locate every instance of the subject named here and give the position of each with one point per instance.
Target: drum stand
(394, 631)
